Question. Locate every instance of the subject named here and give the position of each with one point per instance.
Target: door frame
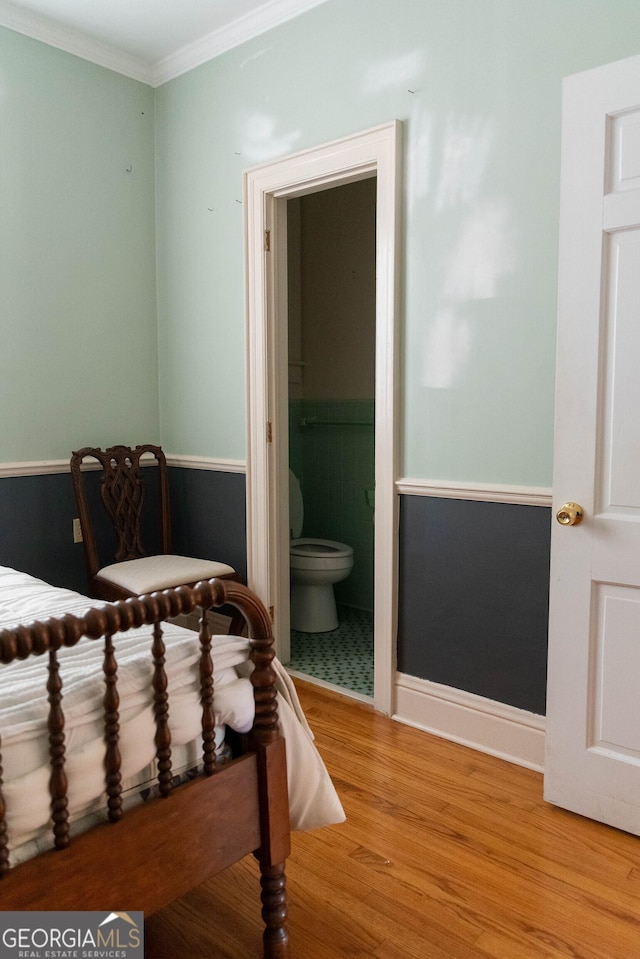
(267, 187)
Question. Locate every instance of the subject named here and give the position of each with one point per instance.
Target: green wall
(477, 84)
(78, 363)
(89, 356)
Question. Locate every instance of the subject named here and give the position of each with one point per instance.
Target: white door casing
(592, 760)
(267, 188)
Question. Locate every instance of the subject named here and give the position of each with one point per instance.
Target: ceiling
(150, 40)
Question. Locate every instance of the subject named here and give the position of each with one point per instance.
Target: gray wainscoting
(209, 515)
(36, 514)
(36, 517)
(474, 583)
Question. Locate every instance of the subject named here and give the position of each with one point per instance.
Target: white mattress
(24, 710)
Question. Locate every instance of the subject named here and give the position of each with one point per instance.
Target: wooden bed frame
(155, 852)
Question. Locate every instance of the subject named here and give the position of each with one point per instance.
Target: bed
(140, 758)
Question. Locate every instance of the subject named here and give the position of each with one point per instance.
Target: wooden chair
(124, 494)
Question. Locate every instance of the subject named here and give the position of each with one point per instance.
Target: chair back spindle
(123, 493)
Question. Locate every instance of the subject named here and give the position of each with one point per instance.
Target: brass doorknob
(570, 514)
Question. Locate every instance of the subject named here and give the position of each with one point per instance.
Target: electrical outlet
(77, 531)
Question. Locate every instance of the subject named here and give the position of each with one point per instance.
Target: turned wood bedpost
(58, 781)
(112, 759)
(270, 752)
(161, 712)
(206, 698)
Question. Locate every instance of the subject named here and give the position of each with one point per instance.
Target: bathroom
(331, 295)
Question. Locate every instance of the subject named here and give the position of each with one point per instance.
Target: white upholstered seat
(149, 573)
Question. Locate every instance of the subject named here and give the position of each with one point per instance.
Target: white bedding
(24, 709)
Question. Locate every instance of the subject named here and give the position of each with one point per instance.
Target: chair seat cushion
(150, 573)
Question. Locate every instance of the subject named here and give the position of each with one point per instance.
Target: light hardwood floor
(446, 854)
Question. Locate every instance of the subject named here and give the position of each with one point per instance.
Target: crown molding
(232, 35)
(72, 41)
(192, 55)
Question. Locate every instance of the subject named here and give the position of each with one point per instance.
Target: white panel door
(592, 762)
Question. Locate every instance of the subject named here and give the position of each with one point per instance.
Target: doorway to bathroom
(331, 293)
(372, 154)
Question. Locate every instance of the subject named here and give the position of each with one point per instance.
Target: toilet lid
(296, 506)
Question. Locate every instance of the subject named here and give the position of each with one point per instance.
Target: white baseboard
(490, 727)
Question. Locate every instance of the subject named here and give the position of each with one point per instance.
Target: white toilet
(316, 564)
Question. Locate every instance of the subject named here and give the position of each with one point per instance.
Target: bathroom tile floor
(343, 657)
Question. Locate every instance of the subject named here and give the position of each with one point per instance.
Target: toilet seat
(319, 555)
(319, 548)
